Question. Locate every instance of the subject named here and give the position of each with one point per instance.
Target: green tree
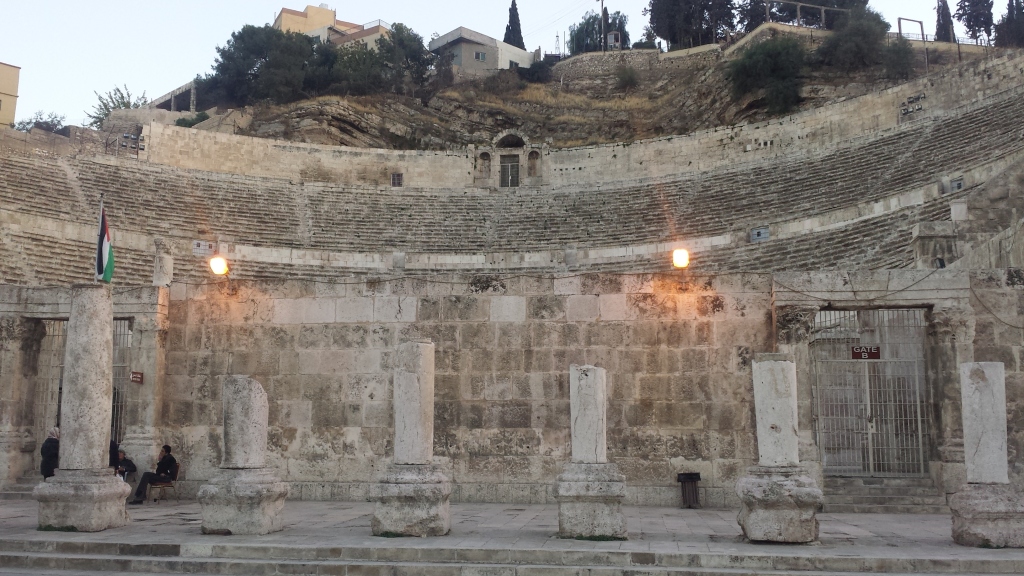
(358, 70)
(812, 17)
(1010, 29)
(116, 99)
(943, 22)
(649, 41)
(976, 16)
(688, 23)
(586, 36)
(898, 59)
(51, 122)
(406, 60)
(513, 30)
(772, 66)
(857, 42)
(258, 63)
(751, 14)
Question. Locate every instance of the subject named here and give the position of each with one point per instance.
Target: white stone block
(582, 308)
(394, 309)
(588, 408)
(614, 307)
(775, 404)
(414, 403)
(318, 310)
(246, 412)
(288, 311)
(983, 391)
(359, 309)
(568, 285)
(508, 309)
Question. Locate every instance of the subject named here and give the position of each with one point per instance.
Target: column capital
(955, 323)
(793, 324)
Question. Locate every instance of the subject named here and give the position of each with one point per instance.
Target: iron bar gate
(869, 391)
(56, 340)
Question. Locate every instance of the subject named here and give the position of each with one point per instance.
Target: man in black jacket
(164, 469)
(124, 465)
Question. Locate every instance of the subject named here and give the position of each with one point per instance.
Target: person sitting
(164, 469)
(50, 453)
(124, 466)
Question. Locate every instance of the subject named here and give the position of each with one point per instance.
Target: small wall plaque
(866, 353)
(136, 377)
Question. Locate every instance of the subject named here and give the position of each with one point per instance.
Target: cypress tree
(976, 16)
(944, 22)
(514, 32)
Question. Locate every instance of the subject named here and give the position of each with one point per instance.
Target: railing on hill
(375, 23)
(931, 38)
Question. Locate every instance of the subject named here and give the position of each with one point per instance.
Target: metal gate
(869, 391)
(55, 345)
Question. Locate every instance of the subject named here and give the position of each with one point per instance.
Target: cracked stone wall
(677, 349)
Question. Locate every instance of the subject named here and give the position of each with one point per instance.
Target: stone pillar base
(988, 516)
(83, 500)
(412, 500)
(590, 501)
(243, 501)
(779, 504)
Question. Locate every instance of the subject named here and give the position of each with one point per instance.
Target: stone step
(434, 557)
(886, 500)
(16, 495)
(847, 481)
(884, 509)
(920, 492)
(40, 564)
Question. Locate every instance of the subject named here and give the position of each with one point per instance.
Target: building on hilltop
(322, 22)
(8, 92)
(476, 54)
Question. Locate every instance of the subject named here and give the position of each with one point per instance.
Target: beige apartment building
(322, 22)
(8, 92)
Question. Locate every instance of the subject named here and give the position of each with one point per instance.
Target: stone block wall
(677, 349)
(997, 297)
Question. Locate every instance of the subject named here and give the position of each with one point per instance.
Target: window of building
(512, 64)
(509, 171)
(956, 184)
(480, 56)
(396, 179)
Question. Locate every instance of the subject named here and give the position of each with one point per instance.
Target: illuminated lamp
(680, 258)
(218, 265)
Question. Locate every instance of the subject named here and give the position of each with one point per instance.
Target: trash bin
(688, 482)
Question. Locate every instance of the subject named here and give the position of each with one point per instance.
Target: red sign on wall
(136, 377)
(866, 353)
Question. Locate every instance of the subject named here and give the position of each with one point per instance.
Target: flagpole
(99, 245)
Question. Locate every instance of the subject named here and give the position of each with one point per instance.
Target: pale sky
(67, 49)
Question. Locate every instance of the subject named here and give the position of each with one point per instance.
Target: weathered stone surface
(983, 390)
(988, 516)
(778, 504)
(243, 501)
(775, 403)
(588, 407)
(414, 403)
(245, 423)
(412, 500)
(590, 499)
(86, 402)
(86, 500)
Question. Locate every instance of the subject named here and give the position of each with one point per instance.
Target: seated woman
(50, 453)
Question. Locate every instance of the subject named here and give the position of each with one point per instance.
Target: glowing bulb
(219, 265)
(680, 258)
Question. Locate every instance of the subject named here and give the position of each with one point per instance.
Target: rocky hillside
(585, 102)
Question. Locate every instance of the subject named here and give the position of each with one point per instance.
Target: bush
(627, 77)
(773, 66)
(898, 59)
(504, 83)
(190, 122)
(857, 43)
(539, 73)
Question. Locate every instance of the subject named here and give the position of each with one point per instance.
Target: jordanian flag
(104, 250)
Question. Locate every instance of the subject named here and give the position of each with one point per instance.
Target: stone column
(590, 489)
(951, 343)
(245, 497)
(85, 494)
(163, 264)
(779, 498)
(412, 497)
(987, 511)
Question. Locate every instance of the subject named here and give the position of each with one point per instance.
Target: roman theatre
(875, 241)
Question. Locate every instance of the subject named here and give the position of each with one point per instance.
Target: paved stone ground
(512, 527)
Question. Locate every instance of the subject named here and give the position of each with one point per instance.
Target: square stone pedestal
(243, 501)
(590, 501)
(85, 500)
(779, 504)
(988, 516)
(412, 500)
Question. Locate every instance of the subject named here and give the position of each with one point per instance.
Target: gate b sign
(866, 353)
